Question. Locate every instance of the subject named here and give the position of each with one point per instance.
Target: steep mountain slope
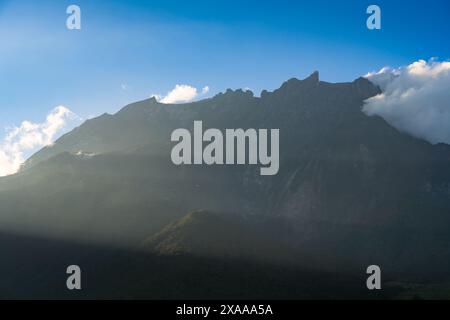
(208, 234)
(351, 189)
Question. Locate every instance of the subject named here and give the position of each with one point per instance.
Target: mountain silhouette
(351, 189)
(208, 234)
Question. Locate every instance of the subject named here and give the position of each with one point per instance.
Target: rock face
(225, 236)
(351, 189)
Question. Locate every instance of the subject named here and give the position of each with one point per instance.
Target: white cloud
(205, 90)
(180, 94)
(383, 77)
(28, 137)
(415, 99)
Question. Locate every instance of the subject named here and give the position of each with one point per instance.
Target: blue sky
(150, 46)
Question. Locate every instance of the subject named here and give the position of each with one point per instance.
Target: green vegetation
(351, 191)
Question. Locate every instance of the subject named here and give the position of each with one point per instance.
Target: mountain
(34, 268)
(208, 234)
(351, 190)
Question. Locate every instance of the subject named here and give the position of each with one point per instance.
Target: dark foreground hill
(38, 271)
(351, 190)
(223, 236)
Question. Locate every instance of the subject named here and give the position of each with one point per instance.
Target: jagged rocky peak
(295, 83)
(238, 93)
(152, 100)
(366, 88)
(314, 77)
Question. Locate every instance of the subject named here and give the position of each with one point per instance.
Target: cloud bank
(180, 94)
(30, 136)
(415, 99)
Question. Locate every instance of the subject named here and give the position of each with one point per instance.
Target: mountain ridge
(351, 189)
(151, 105)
